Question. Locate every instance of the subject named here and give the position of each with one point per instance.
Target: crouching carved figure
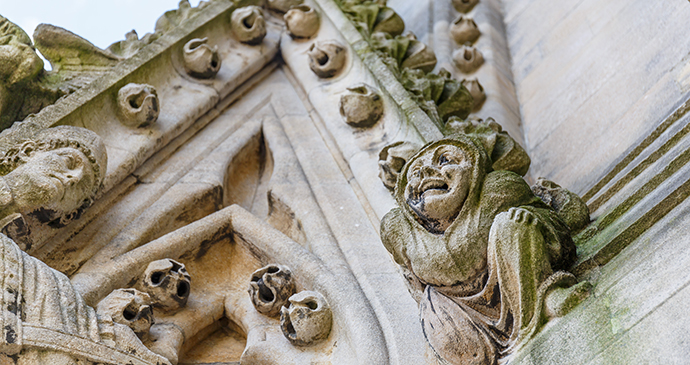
(483, 249)
(43, 319)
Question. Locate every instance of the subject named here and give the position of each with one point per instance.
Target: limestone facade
(349, 182)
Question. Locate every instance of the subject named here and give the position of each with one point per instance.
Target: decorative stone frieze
(289, 154)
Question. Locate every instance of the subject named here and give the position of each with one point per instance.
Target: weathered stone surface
(485, 249)
(308, 319)
(361, 106)
(302, 21)
(326, 59)
(248, 24)
(254, 163)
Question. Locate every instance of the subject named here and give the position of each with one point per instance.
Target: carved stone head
(270, 288)
(18, 59)
(308, 320)
(55, 175)
(438, 180)
(129, 307)
(168, 284)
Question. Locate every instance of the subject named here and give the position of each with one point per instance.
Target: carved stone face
(129, 307)
(18, 62)
(56, 181)
(437, 185)
(168, 283)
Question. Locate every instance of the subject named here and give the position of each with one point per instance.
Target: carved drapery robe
(485, 278)
(45, 318)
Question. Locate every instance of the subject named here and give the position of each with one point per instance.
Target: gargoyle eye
(443, 160)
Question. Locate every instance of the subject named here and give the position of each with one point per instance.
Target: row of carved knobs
(165, 285)
(138, 104)
(305, 318)
(465, 32)
(361, 105)
(467, 57)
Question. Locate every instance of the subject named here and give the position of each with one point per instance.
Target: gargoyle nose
(428, 170)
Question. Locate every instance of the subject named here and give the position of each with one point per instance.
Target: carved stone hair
(81, 139)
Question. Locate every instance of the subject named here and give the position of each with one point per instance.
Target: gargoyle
(485, 251)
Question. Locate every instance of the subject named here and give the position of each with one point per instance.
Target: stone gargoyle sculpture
(43, 319)
(483, 249)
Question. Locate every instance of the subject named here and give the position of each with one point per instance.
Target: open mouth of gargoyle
(432, 184)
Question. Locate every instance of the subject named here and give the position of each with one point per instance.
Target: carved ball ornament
(168, 284)
(248, 24)
(302, 21)
(308, 320)
(361, 106)
(129, 307)
(138, 105)
(477, 92)
(270, 288)
(464, 30)
(283, 5)
(464, 6)
(468, 59)
(200, 60)
(327, 58)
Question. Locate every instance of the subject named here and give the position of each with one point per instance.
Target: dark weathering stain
(10, 335)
